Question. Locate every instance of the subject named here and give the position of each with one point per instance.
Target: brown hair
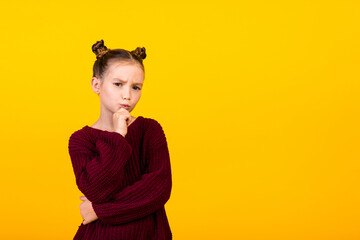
(105, 56)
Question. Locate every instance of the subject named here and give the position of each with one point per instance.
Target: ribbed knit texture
(127, 179)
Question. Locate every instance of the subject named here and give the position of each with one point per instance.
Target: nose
(126, 93)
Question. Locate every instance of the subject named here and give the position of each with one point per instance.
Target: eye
(137, 87)
(117, 83)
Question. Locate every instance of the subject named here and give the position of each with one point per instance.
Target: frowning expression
(122, 85)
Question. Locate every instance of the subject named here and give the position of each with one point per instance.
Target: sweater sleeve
(146, 195)
(99, 171)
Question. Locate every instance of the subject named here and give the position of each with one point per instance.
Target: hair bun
(99, 49)
(139, 52)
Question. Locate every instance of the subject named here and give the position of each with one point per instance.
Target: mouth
(124, 105)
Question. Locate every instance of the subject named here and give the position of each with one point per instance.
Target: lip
(124, 105)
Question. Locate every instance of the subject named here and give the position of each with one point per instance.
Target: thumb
(83, 198)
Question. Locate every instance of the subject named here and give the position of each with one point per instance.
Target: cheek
(137, 97)
(110, 95)
(112, 92)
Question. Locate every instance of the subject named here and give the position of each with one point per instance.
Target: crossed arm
(143, 197)
(98, 175)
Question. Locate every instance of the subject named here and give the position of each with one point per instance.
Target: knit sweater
(127, 179)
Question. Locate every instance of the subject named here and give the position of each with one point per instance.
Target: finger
(121, 110)
(82, 198)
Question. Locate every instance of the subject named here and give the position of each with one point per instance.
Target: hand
(121, 120)
(87, 211)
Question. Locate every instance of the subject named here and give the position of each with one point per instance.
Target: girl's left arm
(146, 195)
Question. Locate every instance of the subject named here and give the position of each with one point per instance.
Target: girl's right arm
(99, 176)
(148, 194)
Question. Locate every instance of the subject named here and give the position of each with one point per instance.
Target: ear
(95, 85)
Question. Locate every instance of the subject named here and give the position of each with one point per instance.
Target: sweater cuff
(114, 138)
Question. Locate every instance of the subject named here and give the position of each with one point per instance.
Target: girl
(121, 163)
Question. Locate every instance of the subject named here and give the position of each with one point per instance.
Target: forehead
(125, 71)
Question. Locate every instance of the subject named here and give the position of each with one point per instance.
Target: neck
(105, 120)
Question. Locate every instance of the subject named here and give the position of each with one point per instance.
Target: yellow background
(259, 101)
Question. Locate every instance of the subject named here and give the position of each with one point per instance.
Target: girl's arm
(146, 195)
(99, 176)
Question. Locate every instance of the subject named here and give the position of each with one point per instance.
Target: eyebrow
(125, 81)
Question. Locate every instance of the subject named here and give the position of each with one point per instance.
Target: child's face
(122, 84)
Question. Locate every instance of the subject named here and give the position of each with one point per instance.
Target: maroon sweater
(127, 179)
